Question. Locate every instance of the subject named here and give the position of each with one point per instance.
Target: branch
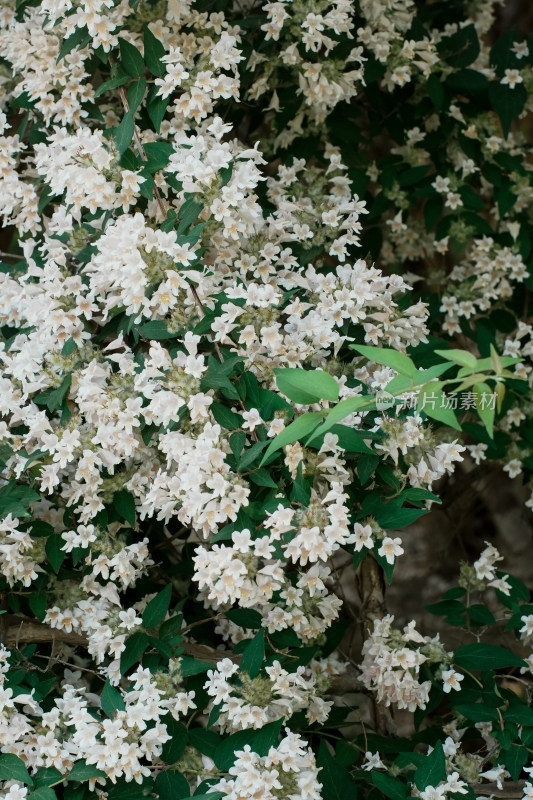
(21, 630)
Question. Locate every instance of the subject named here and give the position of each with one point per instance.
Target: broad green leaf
(192, 666)
(170, 784)
(335, 779)
(135, 94)
(53, 398)
(253, 654)
(404, 383)
(123, 133)
(224, 756)
(173, 749)
(79, 39)
(462, 357)
(134, 650)
(306, 387)
(81, 771)
(390, 787)
(432, 769)
(53, 550)
(15, 499)
(434, 402)
(481, 657)
(47, 776)
(111, 700)
(124, 505)
(226, 417)
(113, 83)
(389, 358)
(245, 617)
(43, 793)
(157, 329)
(157, 607)
(131, 59)
(461, 48)
(300, 427)
(508, 103)
(153, 53)
(13, 768)
(342, 410)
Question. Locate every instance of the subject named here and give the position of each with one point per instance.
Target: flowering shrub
(262, 289)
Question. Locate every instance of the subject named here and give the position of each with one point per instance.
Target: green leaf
(461, 48)
(135, 94)
(433, 401)
(224, 756)
(435, 91)
(80, 38)
(262, 478)
(157, 329)
(188, 213)
(508, 103)
(124, 505)
(520, 714)
(158, 154)
(335, 779)
(156, 111)
(111, 700)
(366, 466)
(192, 666)
(390, 787)
(432, 770)
(485, 406)
(153, 53)
(245, 617)
(43, 793)
(53, 550)
(157, 607)
(131, 59)
(391, 517)
(225, 417)
(47, 776)
(306, 387)
(389, 358)
(299, 428)
(13, 768)
(478, 656)
(134, 650)
(173, 749)
(113, 83)
(53, 398)
(267, 737)
(123, 133)
(69, 347)
(514, 759)
(170, 784)
(253, 655)
(461, 357)
(339, 412)
(15, 499)
(81, 771)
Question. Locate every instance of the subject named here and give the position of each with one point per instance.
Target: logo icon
(384, 400)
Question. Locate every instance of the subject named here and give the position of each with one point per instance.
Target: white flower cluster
(254, 702)
(392, 660)
(73, 729)
(476, 283)
(288, 770)
(483, 574)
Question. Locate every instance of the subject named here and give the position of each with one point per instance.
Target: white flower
(391, 549)
(451, 680)
(512, 78)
